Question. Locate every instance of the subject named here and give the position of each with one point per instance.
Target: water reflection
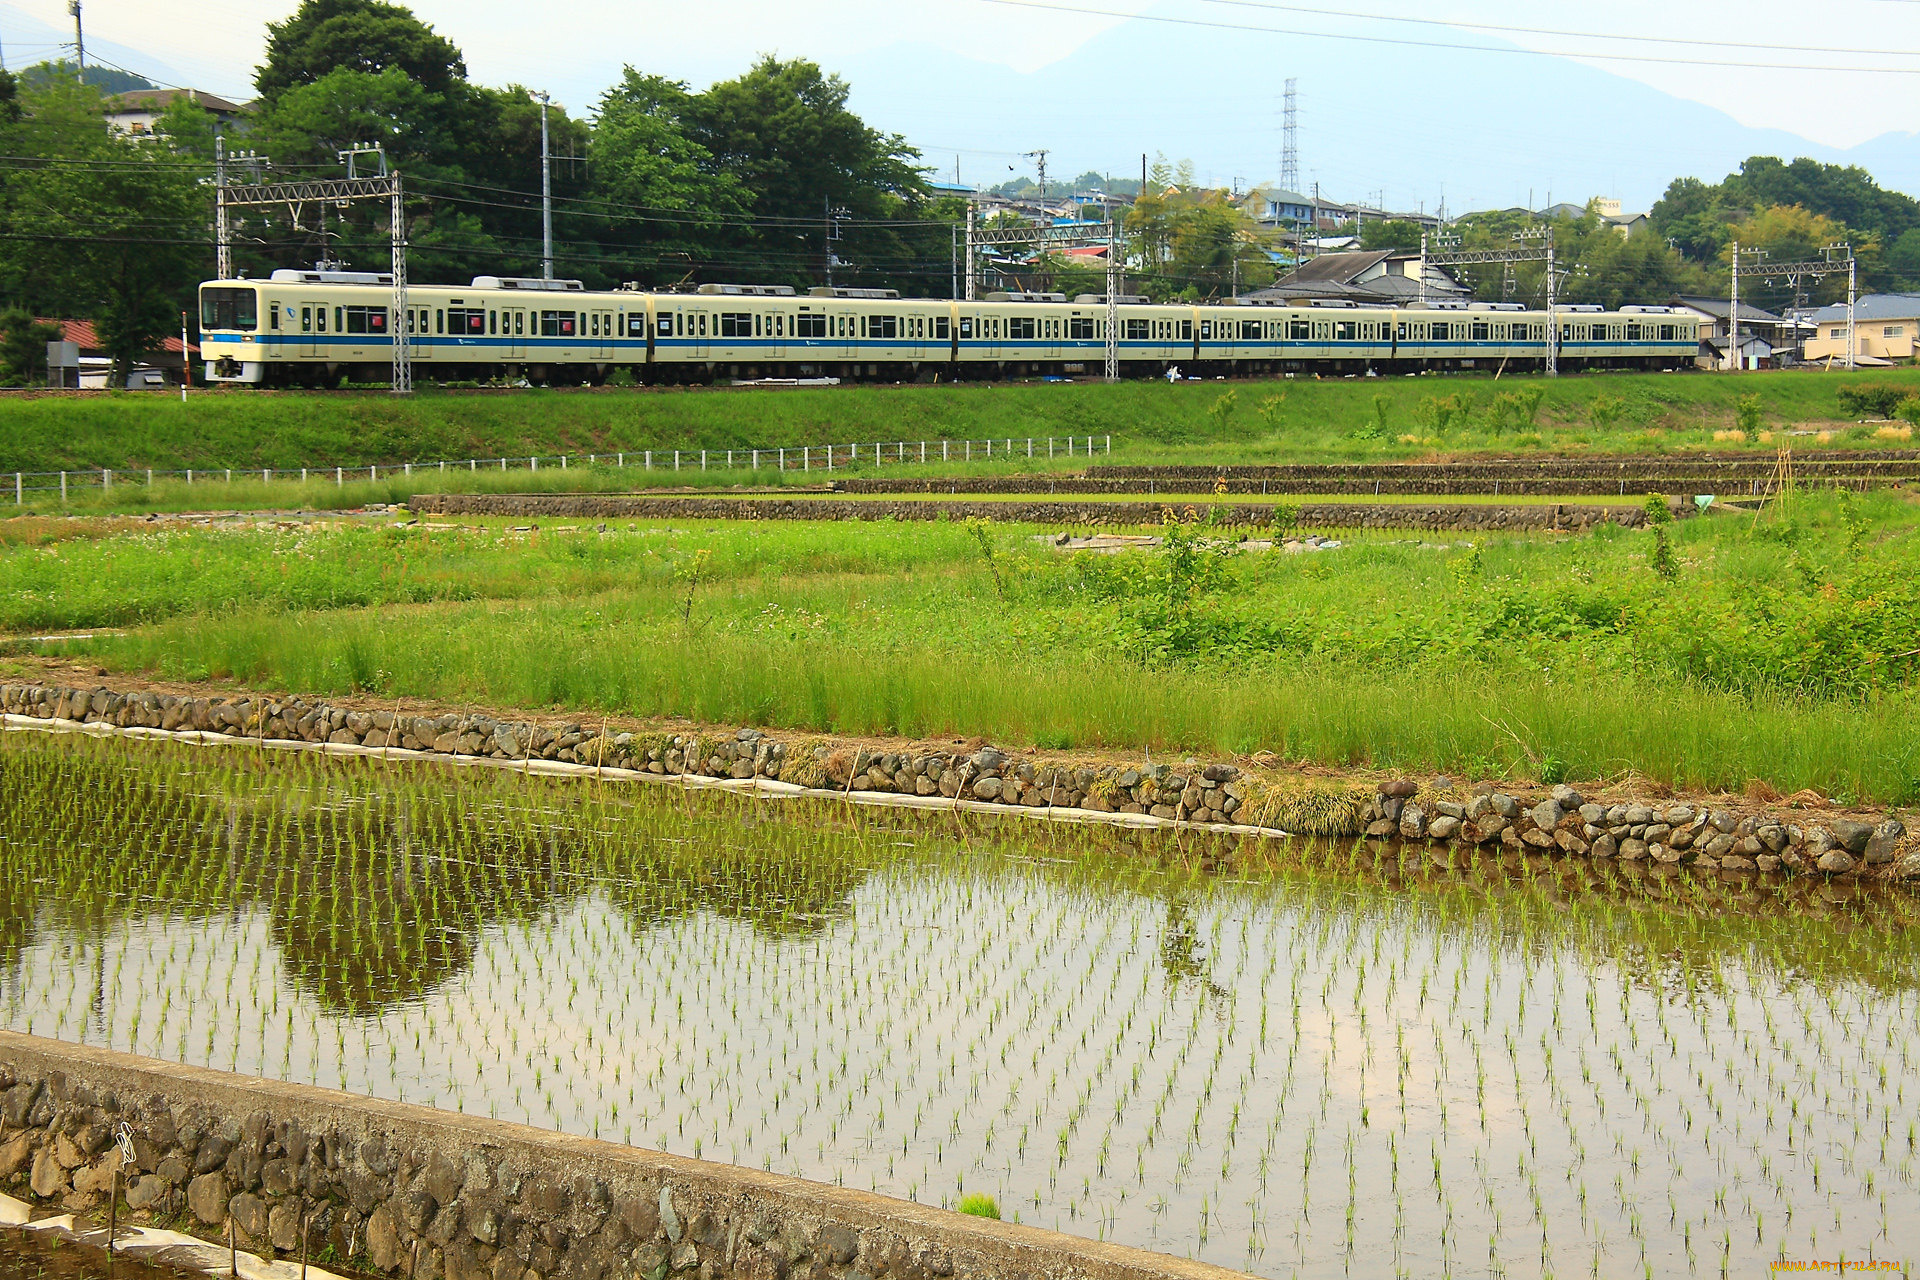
(1324, 1063)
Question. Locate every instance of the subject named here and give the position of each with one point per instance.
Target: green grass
(1782, 652)
(1313, 420)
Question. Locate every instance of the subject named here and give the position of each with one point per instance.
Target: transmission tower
(1290, 138)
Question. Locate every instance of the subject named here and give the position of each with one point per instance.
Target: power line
(1405, 42)
(1554, 31)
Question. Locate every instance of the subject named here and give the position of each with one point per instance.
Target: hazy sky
(576, 47)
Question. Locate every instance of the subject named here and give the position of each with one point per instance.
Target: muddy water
(1307, 1066)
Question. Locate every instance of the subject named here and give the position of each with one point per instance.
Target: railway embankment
(1483, 516)
(1443, 819)
(389, 1189)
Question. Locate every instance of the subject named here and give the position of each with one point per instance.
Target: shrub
(1270, 410)
(1658, 512)
(978, 1204)
(1908, 411)
(1872, 401)
(1661, 558)
(1605, 411)
(1746, 412)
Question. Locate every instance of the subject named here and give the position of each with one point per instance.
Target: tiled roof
(81, 333)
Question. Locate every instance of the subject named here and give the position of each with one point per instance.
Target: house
(1884, 325)
(1766, 340)
(1276, 208)
(136, 110)
(1377, 277)
(159, 368)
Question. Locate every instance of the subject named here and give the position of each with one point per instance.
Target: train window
(229, 309)
(1136, 331)
(320, 319)
(806, 326)
(306, 319)
(1186, 331)
(1666, 333)
(366, 320)
(885, 327)
(1080, 328)
(736, 324)
(339, 320)
(1022, 328)
(1633, 333)
(1480, 331)
(1440, 331)
(966, 327)
(1346, 331)
(556, 324)
(942, 329)
(1299, 329)
(273, 315)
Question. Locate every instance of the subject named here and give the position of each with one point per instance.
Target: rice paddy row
(1311, 1065)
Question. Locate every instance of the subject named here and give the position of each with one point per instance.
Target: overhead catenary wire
(1088, 10)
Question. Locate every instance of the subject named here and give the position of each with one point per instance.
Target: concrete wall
(387, 1187)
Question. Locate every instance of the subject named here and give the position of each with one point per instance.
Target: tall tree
(325, 36)
(784, 132)
(99, 224)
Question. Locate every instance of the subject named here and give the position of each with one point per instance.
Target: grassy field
(1778, 648)
(1293, 420)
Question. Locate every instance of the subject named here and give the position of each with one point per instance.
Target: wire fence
(824, 458)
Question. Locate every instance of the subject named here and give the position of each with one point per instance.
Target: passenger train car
(316, 327)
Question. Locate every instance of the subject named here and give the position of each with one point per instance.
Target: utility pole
(79, 40)
(954, 252)
(1316, 222)
(973, 214)
(834, 216)
(1040, 159)
(546, 192)
(1733, 315)
(1290, 139)
(1113, 297)
(1853, 344)
(222, 244)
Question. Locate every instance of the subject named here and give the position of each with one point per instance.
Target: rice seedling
(1317, 1061)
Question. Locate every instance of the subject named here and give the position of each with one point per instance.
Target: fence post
(19, 490)
(649, 465)
(339, 476)
(989, 449)
(620, 459)
(106, 480)
(943, 449)
(533, 464)
(1029, 446)
(189, 477)
(303, 476)
(756, 460)
(923, 451)
(149, 477)
(1049, 446)
(729, 459)
(63, 486)
(229, 475)
(1109, 445)
(969, 457)
(676, 459)
(806, 457)
(408, 468)
(703, 459)
(266, 475)
(1069, 446)
(563, 462)
(373, 472)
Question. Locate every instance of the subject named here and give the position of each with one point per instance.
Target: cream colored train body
(316, 328)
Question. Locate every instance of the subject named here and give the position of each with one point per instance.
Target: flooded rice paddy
(1300, 1062)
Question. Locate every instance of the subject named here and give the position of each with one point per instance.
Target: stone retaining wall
(1451, 817)
(410, 1191)
(1888, 464)
(1630, 488)
(586, 506)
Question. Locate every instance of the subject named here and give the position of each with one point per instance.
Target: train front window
(225, 308)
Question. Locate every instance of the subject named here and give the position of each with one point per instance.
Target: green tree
(9, 97)
(784, 132)
(98, 223)
(1392, 233)
(368, 36)
(23, 349)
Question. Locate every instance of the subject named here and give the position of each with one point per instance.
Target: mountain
(30, 41)
(1481, 129)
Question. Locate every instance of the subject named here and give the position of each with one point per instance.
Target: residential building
(136, 110)
(1377, 277)
(1766, 340)
(158, 368)
(1885, 325)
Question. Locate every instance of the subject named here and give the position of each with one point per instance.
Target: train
(316, 328)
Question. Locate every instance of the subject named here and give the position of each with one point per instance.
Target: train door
(991, 332)
(777, 322)
(697, 324)
(603, 342)
(513, 333)
(313, 328)
(419, 325)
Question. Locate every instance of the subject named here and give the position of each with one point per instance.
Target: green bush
(1872, 401)
(1746, 412)
(1658, 512)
